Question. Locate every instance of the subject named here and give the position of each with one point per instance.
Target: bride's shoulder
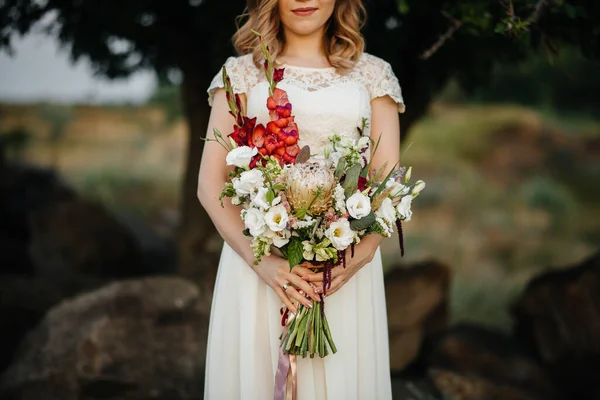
(241, 72)
(378, 77)
(370, 64)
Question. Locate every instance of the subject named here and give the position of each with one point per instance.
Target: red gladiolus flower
(239, 135)
(258, 136)
(249, 124)
(273, 128)
(282, 122)
(280, 151)
(255, 160)
(284, 111)
(278, 74)
(290, 153)
(289, 135)
(271, 143)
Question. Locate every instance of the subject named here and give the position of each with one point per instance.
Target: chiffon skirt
(245, 325)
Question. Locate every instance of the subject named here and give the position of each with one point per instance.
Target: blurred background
(107, 260)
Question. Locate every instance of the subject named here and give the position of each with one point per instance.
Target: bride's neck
(304, 49)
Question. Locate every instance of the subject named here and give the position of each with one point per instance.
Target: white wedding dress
(245, 323)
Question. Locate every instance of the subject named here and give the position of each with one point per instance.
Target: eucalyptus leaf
(351, 181)
(363, 223)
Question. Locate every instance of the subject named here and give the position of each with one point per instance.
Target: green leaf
(351, 181)
(339, 170)
(246, 232)
(270, 196)
(363, 223)
(295, 251)
(571, 11)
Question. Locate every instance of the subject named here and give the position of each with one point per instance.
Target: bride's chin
(304, 29)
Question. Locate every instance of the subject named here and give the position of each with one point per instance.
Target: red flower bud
(271, 103)
(278, 74)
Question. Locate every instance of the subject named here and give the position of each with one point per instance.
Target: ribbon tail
(283, 366)
(294, 371)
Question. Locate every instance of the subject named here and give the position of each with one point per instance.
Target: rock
(457, 386)
(81, 237)
(414, 388)
(25, 300)
(138, 339)
(23, 189)
(417, 306)
(470, 362)
(558, 315)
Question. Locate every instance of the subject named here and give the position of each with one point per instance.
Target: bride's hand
(363, 254)
(275, 271)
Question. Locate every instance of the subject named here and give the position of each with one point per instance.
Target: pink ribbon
(285, 365)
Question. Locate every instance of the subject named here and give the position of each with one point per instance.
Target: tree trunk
(199, 243)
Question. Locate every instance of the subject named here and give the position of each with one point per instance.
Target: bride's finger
(285, 299)
(301, 271)
(318, 276)
(304, 286)
(293, 294)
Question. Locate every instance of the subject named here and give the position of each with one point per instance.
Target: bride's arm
(273, 270)
(385, 127)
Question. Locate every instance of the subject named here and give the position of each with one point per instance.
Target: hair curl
(343, 42)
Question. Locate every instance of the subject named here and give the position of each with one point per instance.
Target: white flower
(419, 185)
(403, 208)
(340, 199)
(279, 238)
(363, 142)
(308, 252)
(398, 189)
(236, 201)
(254, 221)
(260, 199)
(340, 234)
(241, 156)
(386, 211)
(248, 182)
(358, 205)
(277, 218)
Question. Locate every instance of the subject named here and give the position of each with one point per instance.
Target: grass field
(510, 190)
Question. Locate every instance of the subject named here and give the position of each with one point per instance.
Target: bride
(332, 84)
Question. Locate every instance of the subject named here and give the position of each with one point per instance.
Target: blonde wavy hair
(343, 42)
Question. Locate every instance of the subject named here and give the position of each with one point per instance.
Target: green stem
(328, 335)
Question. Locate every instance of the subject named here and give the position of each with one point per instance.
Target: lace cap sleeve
(384, 82)
(236, 71)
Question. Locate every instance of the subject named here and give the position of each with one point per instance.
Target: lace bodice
(323, 101)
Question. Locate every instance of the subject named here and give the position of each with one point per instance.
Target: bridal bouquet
(307, 208)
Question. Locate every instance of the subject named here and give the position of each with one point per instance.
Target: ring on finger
(285, 287)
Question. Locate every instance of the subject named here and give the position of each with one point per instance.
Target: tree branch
(456, 24)
(537, 12)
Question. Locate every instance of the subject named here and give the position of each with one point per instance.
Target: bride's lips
(304, 11)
